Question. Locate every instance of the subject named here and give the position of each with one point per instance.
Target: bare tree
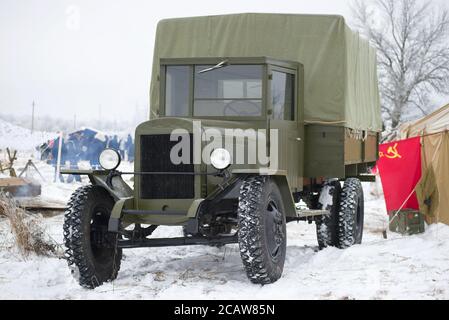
(411, 38)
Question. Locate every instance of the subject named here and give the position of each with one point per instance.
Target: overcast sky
(73, 56)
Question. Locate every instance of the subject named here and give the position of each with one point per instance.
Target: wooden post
(11, 158)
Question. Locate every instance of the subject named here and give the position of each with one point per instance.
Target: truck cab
(241, 96)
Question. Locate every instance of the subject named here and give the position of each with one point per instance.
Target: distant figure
(107, 141)
(122, 148)
(114, 143)
(45, 151)
(73, 156)
(129, 145)
(95, 147)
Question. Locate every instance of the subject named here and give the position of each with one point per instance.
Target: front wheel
(262, 233)
(91, 250)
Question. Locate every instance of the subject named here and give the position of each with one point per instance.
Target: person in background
(122, 148)
(83, 148)
(114, 143)
(107, 141)
(45, 151)
(130, 148)
(73, 155)
(96, 146)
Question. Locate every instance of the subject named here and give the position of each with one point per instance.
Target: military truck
(305, 84)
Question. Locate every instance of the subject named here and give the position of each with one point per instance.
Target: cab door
(283, 116)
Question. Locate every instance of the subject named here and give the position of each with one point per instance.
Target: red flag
(399, 166)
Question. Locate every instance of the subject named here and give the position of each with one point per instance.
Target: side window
(177, 91)
(282, 93)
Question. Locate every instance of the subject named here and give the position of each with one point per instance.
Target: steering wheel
(231, 110)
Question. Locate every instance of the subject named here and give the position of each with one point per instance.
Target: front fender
(116, 214)
(280, 177)
(116, 186)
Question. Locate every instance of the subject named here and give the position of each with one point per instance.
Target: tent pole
(58, 163)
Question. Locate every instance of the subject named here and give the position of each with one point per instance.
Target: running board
(311, 213)
(174, 242)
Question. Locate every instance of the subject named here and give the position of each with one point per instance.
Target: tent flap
(435, 154)
(433, 189)
(427, 194)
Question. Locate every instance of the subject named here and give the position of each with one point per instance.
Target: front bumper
(125, 210)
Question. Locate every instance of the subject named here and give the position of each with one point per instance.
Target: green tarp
(340, 67)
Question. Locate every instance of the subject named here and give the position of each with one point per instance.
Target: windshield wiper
(222, 64)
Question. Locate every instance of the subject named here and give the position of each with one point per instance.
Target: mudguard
(114, 184)
(287, 197)
(280, 177)
(111, 181)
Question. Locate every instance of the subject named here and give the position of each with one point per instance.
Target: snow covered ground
(399, 267)
(21, 138)
(396, 268)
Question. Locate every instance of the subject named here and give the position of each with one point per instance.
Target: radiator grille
(155, 157)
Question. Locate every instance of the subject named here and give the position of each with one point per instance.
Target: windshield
(233, 90)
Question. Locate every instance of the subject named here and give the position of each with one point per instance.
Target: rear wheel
(351, 216)
(327, 225)
(91, 250)
(262, 231)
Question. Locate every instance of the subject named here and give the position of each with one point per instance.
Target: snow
(326, 199)
(399, 267)
(21, 139)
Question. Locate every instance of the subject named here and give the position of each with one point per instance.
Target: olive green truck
(256, 120)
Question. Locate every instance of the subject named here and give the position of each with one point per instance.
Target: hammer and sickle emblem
(392, 152)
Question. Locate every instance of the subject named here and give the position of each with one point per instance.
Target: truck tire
(262, 234)
(351, 217)
(91, 250)
(327, 225)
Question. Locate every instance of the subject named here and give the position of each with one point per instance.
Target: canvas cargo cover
(340, 67)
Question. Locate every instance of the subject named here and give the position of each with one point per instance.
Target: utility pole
(32, 118)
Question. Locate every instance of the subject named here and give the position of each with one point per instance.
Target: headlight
(109, 159)
(220, 159)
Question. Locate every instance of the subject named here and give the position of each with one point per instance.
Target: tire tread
(74, 238)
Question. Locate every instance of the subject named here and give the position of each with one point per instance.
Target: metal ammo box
(408, 222)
